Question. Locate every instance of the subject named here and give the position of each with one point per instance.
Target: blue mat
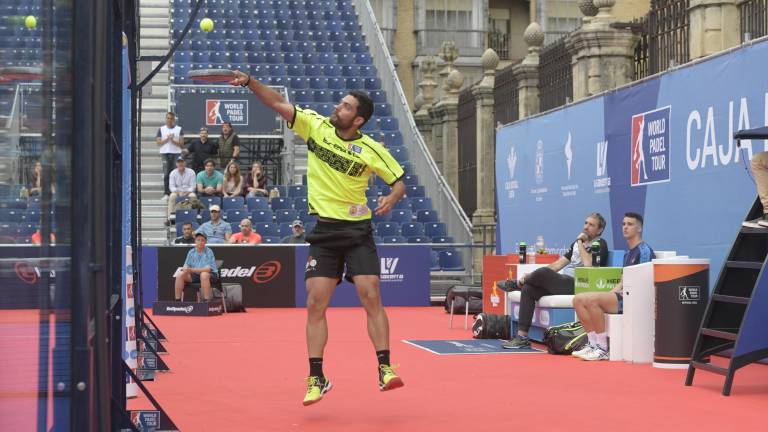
(470, 346)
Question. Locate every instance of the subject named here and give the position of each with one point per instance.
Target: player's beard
(338, 123)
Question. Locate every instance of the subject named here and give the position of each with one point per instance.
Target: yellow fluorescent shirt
(338, 170)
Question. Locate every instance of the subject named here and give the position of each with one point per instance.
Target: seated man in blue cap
(199, 267)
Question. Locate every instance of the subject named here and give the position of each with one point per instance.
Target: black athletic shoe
(517, 343)
(507, 285)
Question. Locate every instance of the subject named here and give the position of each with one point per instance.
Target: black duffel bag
(491, 326)
(565, 338)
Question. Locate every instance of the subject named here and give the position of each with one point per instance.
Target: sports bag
(459, 302)
(565, 338)
(491, 326)
(234, 299)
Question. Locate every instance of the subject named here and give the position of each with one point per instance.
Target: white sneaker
(164, 198)
(585, 349)
(596, 354)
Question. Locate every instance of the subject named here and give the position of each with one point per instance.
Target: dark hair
(634, 215)
(186, 223)
(211, 161)
(600, 220)
(171, 114)
(228, 124)
(364, 104)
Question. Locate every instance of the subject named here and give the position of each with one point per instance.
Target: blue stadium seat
(380, 218)
(370, 71)
(281, 203)
(14, 203)
(302, 96)
(235, 227)
(305, 217)
(337, 84)
(411, 179)
(346, 59)
(399, 153)
(257, 203)
(184, 215)
(339, 94)
(394, 239)
(262, 215)
(205, 216)
(297, 191)
(230, 203)
(355, 84)
(372, 191)
(298, 82)
(378, 96)
(402, 216)
(442, 239)
(275, 70)
(301, 36)
(268, 239)
(363, 59)
(393, 139)
(372, 84)
(389, 124)
(292, 58)
(182, 57)
(421, 203)
(325, 109)
(434, 229)
(272, 58)
(332, 70)
(281, 189)
(295, 70)
(340, 47)
(384, 229)
(357, 47)
(414, 191)
(371, 125)
(285, 229)
(350, 71)
(180, 228)
(403, 204)
(450, 260)
(419, 239)
(266, 229)
(412, 229)
(300, 203)
(385, 189)
(426, 216)
(286, 215)
(318, 83)
(236, 215)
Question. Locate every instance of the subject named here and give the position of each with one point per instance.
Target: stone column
(448, 54)
(486, 171)
(527, 72)
(445, 117)
(424, 101)
(603, 56)
(712, 26)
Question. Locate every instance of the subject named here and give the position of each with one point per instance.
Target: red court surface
(245, 372)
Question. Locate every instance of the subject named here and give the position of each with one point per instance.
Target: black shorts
(196, 277)
(334, 244)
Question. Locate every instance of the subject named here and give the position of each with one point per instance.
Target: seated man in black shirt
(187, 234)
(201, 149)
(557, 278)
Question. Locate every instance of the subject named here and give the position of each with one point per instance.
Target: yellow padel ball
(206, 25)
(30, 22)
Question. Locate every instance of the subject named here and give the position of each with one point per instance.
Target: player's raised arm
(269, 97)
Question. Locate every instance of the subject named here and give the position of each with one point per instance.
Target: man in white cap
(216, 230)
(298, 233)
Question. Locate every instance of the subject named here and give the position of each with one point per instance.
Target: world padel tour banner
(211, 109)
(661, 147)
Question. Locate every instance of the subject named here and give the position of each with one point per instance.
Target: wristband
(247, 82)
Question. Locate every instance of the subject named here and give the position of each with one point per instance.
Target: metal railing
(506, 104)
(555, 76)
(467, 131)
(754, 19)
(469, 42)
(664, 37)
(499, 42)
(457, 223)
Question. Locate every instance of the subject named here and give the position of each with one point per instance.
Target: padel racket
(211, 75)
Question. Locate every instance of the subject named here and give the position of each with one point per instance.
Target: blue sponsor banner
(404, 277)
(656, 147)
(469, 346)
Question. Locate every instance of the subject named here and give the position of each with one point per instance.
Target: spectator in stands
(199, 267)
(187, 236)
(592, 306)
(298, 236)
(201, 150)
(340, 161)
(246, 235)
(181, 183)
(229, 144)
(233, 181)
(34, 188)
(169, 138)
(256, 181)
(209, 181)
(760, 171)
(556, 278)
(215, 230)
(37, 237)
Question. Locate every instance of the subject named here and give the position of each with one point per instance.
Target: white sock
(602, 340)
(592, 338)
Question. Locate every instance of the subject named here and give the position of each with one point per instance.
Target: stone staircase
(154, 41)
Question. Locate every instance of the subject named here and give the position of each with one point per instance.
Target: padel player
(340, 161)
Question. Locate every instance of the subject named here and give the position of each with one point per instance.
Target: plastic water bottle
(595, 250)
(540, 245)
(522, 250)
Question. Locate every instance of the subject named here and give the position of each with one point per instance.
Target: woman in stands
(256, 182)
(233, 181)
